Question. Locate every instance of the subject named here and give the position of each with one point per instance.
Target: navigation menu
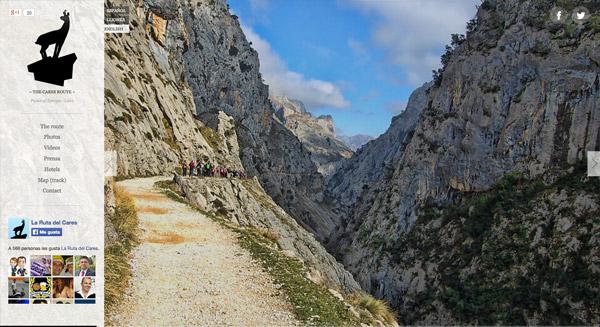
(51, 160)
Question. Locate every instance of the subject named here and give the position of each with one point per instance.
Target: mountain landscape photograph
(353, 163)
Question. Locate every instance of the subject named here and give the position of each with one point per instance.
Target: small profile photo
(62, 301)
(40, 265)
(62, 265)
(85, 290)
(40, 288)
(18, 266)
(18, 287)
(62, 288)
(85, 265)
(18, 228)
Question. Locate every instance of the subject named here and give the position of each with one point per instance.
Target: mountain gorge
(472, 208)
(432, 223)
(222, 70)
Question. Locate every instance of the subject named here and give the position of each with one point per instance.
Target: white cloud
(412, 32)
(313, 93)
(320, 51)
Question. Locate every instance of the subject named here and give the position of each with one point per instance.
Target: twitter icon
(580, 14)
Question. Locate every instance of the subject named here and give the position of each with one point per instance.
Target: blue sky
(357, 60)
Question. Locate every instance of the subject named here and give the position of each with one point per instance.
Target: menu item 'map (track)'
(51, 161)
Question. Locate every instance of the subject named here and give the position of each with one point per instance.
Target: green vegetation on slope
(211, 136)
(370, 308)
(524, 250)
(313, 304)
(116, 256)
(171, 190)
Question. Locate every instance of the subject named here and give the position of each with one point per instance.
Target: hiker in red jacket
(192, 167)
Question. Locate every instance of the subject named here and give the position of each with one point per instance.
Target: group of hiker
(207, 169)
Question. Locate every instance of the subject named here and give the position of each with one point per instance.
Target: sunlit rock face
(182, 64)
(317, 134)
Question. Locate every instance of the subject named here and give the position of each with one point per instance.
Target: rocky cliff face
(317, 134)
(377, 158)
(222, 70)
(518, 95)
(150, 115)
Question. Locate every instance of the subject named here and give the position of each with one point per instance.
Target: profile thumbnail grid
(52, 279)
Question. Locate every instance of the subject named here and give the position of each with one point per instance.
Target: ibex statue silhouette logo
(54, 69)
(56, 37)
(18, 228)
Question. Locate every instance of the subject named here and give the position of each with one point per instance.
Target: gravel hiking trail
(190, 271)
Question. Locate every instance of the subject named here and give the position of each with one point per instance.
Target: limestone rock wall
(150, 115)
(519, 95)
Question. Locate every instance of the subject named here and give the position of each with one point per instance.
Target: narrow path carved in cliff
(189, 270)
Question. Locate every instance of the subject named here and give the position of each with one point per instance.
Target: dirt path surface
(190, 271)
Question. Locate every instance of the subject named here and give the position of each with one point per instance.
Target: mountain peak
(291, 106)
(316, 134)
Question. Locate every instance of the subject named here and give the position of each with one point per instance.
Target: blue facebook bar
(46, 231)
